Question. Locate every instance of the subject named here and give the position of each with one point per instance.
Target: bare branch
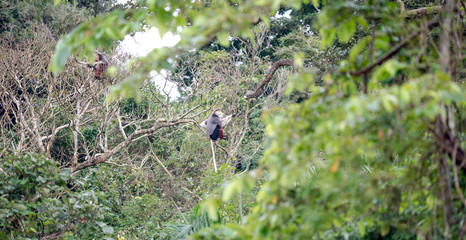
(99, 158)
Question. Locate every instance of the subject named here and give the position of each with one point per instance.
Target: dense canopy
(350, 120)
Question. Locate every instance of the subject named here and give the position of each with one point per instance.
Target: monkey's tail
(213, 155)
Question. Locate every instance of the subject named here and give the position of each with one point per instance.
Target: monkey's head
(98, 55)
(218, 112)
(250, 94)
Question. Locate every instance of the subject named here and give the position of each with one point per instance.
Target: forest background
(360, 135)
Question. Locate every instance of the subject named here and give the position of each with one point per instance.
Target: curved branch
(268, 77)
(218, 145)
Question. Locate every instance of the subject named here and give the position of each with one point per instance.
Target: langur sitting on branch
(214, 126)
(215, 123)
(99, 66)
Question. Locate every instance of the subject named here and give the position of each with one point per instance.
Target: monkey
(99, 66)
(215, 123)
(214, 126)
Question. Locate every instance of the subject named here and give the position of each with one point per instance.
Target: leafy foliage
(207, 21)
(363, 140)
(18, 17)
(348, 165)
(35, 202)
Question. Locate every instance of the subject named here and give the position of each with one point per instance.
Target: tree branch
(422, 11)
(268, 77)
(100, 158)
(392, 52)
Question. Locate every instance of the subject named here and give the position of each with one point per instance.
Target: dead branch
(100, 158)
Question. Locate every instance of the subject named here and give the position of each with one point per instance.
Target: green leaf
(391, 68)
(112, 33)
(430, 202)
(229, 191)
(361, 228)
(151, 4)
(211, 206)
(62, 53)
(384, 230)
(382, 43)
(346, 31)
(388, 69)
(328, 36)
(389, 102)
(404, 95)
(224, 38)
(362, 21)
(359, 47)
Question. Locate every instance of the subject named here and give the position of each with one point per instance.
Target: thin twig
(158, 160)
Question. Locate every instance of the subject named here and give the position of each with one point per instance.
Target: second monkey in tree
(99, 66)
